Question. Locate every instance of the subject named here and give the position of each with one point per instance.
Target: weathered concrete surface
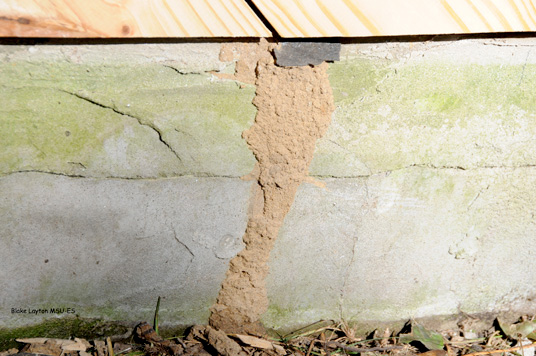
(122, 117)
(119, 179)
(109, 247)
(429, 206)
(410, 243)
(428, 209)
(187, 57)
(459, 104)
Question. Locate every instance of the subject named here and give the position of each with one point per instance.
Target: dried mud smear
(294, 110)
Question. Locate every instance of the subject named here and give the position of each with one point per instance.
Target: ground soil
(469, 336)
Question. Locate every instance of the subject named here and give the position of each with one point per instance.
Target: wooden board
(355, 18)
(235, 18)
(129, 18)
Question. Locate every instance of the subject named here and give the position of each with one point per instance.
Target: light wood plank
(129, 18)
(234, 18)
(357, 18)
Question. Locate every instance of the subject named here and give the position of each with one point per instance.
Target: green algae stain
(442, 102)
(286, 319)
(40, 127)
(393, 115)
(45, 126)
(432, 88)
(351, 80)
(203, 122)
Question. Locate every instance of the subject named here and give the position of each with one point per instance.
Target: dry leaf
(100, 346)
(279, 349)
(42, 345)
(34, 340)
(76, 345)
(525, 329)
(255, 341)
(66, 345)
(431, 339)
(223, 344)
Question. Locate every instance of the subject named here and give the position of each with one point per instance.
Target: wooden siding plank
(129, 18)
(234, 18)
(358, 18)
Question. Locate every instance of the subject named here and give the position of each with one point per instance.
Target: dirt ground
(468, 338)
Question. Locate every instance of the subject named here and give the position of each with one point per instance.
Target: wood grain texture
(356, 18)
(129, 18)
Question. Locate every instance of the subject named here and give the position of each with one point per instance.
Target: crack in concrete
(183, 244)
(79, 176)
(181, 72)
(421, 166)
(42, 172)
(507, 44)
(364, 210)
(476, 197)
(138, 119)
(186, 272)
(347, 276)
(80, 164)
(210, 175)
(191, 137)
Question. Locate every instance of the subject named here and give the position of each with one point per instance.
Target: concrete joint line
(421, 166)
(79, 176)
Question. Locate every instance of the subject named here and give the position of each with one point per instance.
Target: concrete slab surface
(108, 248)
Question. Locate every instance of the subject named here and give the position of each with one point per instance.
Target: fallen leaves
(323, 338)
(54, 347)
(260, 343)
(62, 347)
(430, 339)
(521, 330)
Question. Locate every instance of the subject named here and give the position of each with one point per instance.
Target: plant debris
(323, 338)
(430, 339)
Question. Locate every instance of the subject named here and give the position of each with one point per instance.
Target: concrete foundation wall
(120, 182)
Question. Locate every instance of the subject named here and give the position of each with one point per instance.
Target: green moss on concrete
(360, 311)
(351, 80)
(64, 328)
(48, 126)
(287, 319)
(392, 115)
(43, 129)
(430, 185)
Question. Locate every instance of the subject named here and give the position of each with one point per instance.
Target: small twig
(323, 340)
(491, 337)
(156, 316)
(465, 342)
(297, 333)
(449, 350)
(181, 342)
(334, 344)
(501, 351)
(311, 344)
(110, 348)
(124, 351)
